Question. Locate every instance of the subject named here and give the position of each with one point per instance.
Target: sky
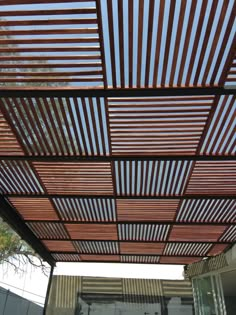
(32, 284)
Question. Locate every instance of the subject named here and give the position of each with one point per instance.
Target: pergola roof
(117, 128)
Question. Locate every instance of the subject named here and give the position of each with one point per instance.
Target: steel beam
(110, 92)
(15, 221)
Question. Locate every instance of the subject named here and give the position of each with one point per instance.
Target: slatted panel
(141, 248)
(66, 257)
(100, 258)
(206, 210)
(140, 259)
(146, 210)
(217, 249)
(34, 209)
(48, 230)
(120, 44)
(96, 247)
(92, 231)
(59, 126)
(214, 177)
(148, 178)
(156, 126)
(205, 233)
(231, 76)
(58, 45)
(8, 142)
(86, 209)
(230, 234)
(173, 43)
(18, 177)
(80, 178)
(189, 249)
(179, 260)
(221, 136)
(59, 246)
(143, 232)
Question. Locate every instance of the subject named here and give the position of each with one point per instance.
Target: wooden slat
(196, 233)
(48, 12)
(65, 31)
(48, 22)
(34, 209)
(141, 248)
(92, 231)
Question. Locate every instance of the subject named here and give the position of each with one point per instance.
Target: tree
(17, 253)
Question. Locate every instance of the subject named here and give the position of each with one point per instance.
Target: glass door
(208, 296)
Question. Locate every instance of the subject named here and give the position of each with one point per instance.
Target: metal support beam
(196, 196)
(134, 222)
(48, 290)
(65, 159)
(14, 220)
(110, 92)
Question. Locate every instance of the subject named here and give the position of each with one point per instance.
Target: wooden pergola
(118, 128)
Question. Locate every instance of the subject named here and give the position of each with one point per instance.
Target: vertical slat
(149, 41)
(131, 48)
(168, 41)
(112, 40)
(158, 42)
(121, 43)
(140, 41)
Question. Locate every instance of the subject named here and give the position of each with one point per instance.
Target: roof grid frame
(122, 149)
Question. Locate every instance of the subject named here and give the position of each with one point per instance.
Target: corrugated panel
(101, 285)
(140, 259)
(63, 292)
(59, 246)
(180, 288)
(230, 234)
(92, 231)
(167, 43)
(34, 209)
(206, 210)
(204, 233)
(189, 249)
(86, 209)
(96, 247)
(141, 248)
(19, 177)
(143, 232)
(60, 126)
(80, 177)
(48, 230)
(100, 257)
(9, 144)
(148, 178)
(179, 260)
(215, 177)
(150, 210)
(141, 287)
(155, 126)
(221, 136)
(55, 46)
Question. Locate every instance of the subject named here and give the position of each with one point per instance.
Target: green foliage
(17, 253)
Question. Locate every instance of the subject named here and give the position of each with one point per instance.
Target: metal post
(5, 303)
(48, 290)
